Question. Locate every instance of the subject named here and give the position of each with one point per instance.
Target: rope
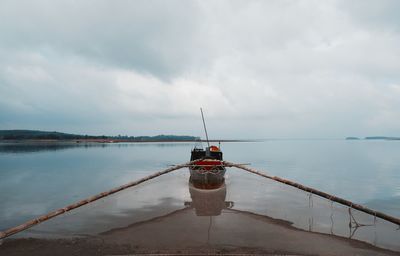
(31, 223)
(319, 193)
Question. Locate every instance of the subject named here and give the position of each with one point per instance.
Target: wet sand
(182, 232)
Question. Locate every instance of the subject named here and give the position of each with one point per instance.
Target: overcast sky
(260, 69)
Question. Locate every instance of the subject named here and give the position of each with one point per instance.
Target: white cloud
(259, 68)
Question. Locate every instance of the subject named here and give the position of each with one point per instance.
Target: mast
(205, 129)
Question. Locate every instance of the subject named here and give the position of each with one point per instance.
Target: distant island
(374, 138)
(47, 136)
(382, 138)
(352, 138)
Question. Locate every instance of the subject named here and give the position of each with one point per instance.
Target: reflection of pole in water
(208, 231)
(332, 218)
(310, 223)
(208, 202)
(311, 218)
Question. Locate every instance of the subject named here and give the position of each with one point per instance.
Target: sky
(259, 69)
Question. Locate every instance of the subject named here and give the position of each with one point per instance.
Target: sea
(38, 178)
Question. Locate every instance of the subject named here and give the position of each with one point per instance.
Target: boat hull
(207, 174)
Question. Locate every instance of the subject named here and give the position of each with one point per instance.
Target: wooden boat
(207, 170)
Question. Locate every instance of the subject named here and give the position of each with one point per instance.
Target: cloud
(259, 68)
(149, 36)
(372, 14)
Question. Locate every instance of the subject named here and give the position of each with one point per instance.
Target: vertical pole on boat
(205, 129)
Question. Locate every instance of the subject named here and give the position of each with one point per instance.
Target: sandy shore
(182, 232)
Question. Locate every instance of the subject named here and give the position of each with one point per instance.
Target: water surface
(37, 179)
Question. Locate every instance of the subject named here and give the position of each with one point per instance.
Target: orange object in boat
(214, 148)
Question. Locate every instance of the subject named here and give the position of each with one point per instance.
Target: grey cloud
(259, 68)
(156, 37)
(374, 14)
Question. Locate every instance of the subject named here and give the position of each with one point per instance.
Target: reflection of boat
(207, 170)
(208, 202)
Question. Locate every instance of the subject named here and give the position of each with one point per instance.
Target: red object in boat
(208, 164)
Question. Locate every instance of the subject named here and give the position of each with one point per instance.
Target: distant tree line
(44, 135)
(374, 138)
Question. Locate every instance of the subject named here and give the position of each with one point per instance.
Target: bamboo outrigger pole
(319, 193)
(55, 213)
(60, 211)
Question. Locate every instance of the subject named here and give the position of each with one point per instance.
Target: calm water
(37, 179)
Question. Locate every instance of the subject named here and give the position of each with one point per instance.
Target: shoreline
(107, 141)
(171, 237)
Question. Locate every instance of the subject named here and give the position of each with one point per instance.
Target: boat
(207, 170)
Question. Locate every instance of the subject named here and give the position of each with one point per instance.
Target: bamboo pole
(31, 223)
(319, 193)
(60, 211)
